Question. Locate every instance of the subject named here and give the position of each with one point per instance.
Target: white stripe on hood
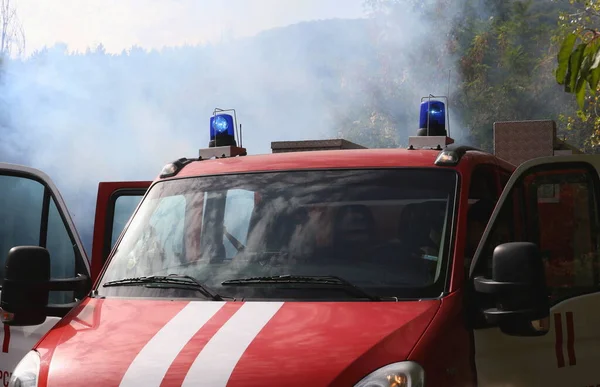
(217, 360)
(152, 363)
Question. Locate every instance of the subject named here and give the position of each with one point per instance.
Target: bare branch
(12, 34)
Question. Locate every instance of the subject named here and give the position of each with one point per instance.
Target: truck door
(115, 204)
(552, 202)
(32, 212)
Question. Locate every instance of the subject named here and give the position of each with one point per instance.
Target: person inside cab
(412, 256)
(354, 232)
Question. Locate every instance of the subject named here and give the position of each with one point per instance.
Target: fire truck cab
(437, 265)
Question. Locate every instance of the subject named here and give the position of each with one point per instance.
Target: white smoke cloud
(99, 117)
(85, 118)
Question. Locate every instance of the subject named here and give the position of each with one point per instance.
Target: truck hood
(127, 342)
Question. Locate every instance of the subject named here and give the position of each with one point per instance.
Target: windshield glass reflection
(383, 230)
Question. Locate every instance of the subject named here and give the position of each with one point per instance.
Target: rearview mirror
(518, 287)
(27, 286)
(25, 289)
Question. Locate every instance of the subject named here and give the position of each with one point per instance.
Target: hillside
(92, 117)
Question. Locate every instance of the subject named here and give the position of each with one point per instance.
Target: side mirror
(518, 288)
(25, 289)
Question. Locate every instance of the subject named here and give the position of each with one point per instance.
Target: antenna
(448, 103)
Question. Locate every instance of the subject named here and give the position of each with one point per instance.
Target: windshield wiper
(328, 280)
(174, 280)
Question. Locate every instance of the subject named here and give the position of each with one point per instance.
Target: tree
(578, 69)
(579, 55)
(12, 35)
(503, 51)
(498, 52)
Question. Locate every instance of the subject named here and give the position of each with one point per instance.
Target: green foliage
(578, 66)
(503, 57)
(579, 55)
(504, 65)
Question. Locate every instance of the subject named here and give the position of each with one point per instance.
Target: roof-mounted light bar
(223, 133)
(224, 128)
(432, 117)
(434, 125)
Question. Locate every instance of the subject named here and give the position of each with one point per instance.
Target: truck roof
(330, 159)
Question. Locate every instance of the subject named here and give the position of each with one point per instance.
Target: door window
(21, 202)
(556, 208)
(121, 205)
(29, 216)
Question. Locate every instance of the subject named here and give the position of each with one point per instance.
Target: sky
(120, 24)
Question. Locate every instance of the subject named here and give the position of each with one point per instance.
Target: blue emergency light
(222, 130)
(436, 112)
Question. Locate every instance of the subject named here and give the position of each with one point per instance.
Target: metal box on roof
(312, 145)
(519, 141)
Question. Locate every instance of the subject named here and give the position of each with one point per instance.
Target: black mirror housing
(25, 290)
(518, 286)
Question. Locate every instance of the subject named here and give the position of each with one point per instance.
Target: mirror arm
(68, 284)
(60, 284)
(495, 313)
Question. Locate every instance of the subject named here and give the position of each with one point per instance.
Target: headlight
(403, 374)
(26, 373)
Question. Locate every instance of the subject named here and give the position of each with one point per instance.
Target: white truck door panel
(552, 202)
(566, 356)
(32, 212)
(16, 342)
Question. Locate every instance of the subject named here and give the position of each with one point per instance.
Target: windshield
(383, 230)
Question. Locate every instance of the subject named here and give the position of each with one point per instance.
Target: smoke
(90, 117)
(94, 116)
(412, 45)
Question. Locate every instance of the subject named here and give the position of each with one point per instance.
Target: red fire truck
(437, 265)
